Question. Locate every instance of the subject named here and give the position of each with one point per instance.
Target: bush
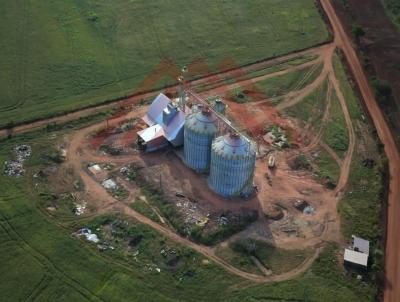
(383, 91)
(357, 31)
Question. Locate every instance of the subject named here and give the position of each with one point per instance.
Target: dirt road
(392, 254)
(234, 73)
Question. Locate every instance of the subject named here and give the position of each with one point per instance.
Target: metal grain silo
(233, 159)
(200, 130)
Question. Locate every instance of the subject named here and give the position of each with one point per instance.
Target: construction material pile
(16, 167)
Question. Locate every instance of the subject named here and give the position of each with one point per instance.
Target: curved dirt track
(392, 253)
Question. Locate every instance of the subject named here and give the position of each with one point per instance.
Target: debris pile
(16, 167)
(309, 210)
(87, 233)
(109, 184)
(129, 172)
(80, 209)
(300, 204)
(191, 213)
(276, 137)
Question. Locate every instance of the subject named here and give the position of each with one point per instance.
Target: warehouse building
(165, 121)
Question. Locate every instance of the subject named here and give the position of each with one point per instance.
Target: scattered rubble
(222, 220)
(191, 213)
(276, 137)
(129, 172)
(94, 169)
(80, 209)
(23, 152)
(88, 234)
(109, 184)
(300, 204)
(16, 167)
(309, 210)
(13, 168)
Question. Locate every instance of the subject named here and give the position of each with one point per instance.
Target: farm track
(135, 98)
(392, 289)
(392, 252)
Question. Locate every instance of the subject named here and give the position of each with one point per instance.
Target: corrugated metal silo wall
(197, 150)
(231, 176)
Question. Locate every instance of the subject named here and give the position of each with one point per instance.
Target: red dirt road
(392, 256)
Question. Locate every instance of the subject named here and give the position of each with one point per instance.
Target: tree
(358, 32)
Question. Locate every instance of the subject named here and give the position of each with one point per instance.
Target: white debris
(89, 235)
(80, 208)
(109, 184)
(92, 238)
(16, 167)
(13, 168)
(95, 169)
(23, 152)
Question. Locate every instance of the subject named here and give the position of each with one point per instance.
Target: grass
(281, 66)
(277, 86)
(144, 209)
(277, 259)
(295, 80)
(353, 104)
(63, 55)
(260, 72)
(327, 166)
(335, 131)
(311, 109)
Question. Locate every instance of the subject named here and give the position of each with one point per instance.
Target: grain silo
(200, 130)
(233, 159)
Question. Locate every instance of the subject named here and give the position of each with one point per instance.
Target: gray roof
(174, 126)
(355, 257)
(360, 244)
(155, 113)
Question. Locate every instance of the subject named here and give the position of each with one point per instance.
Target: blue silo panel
(230, 174)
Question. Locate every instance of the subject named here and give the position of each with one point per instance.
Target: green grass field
(62, 55)
(335, 131)
(277, 86)
(311, 109)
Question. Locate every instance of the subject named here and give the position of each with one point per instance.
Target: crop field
(63, 55)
